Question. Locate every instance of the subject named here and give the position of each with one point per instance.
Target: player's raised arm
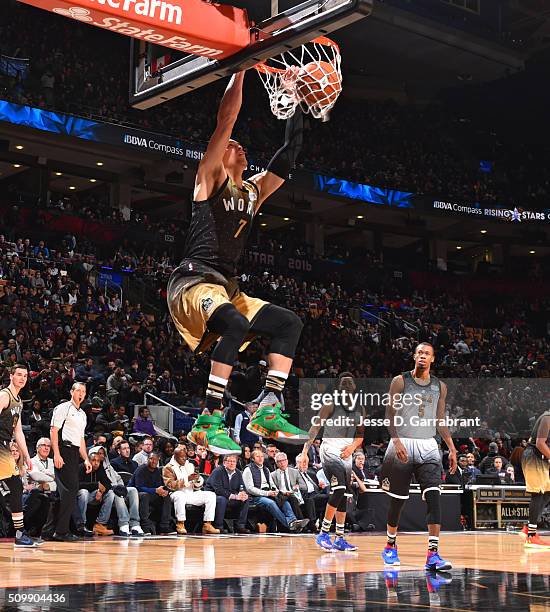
(283, 161)
(397, 387)
(211, 173)
(443, 430)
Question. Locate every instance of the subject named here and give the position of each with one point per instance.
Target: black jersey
(220, 226)
(9, 417)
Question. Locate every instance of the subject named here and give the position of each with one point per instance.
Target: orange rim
(320, 40)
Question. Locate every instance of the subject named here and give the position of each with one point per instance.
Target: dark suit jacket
(218, 482)
(313, 455)
(303, 483)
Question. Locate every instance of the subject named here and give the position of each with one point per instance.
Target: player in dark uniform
(342, 436)
(11, 406)
(535, 463)
(419, 399)
(204, 299)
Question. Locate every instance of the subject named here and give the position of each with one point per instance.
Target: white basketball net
(289, 84)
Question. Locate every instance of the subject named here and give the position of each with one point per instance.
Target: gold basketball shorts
(191, 308)
(8, 468)
(536, 470)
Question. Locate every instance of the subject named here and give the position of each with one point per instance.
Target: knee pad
(233, 328)
(394, 511)
(433, 499)
(282, 326)
(336, 497)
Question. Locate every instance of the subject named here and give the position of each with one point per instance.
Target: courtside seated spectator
(126, 499)
(36, 502)
(226, 481)
(264, 494)
(93, 488)
(184, 485)
(153, 496)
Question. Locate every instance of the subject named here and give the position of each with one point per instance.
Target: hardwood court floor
(140, 570)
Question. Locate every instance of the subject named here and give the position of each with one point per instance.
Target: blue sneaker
(323, 540)
(341, 544)
(435, 563)
(24, 542)
(389, 554)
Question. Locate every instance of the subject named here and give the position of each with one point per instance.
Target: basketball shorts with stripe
(337, 470)
(424, 463)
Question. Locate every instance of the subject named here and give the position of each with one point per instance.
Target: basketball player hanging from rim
(337, 448)
(535, 463)
(204, 299)
(414, 450)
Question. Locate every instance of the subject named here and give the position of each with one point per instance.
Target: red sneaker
(524, 533)
(537, 542)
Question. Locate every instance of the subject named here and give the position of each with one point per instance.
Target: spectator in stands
(242, 435)
(462, 476)
(108, 420)
(165, 384)
(123, 463)
(264, 494)
(515, 462)
(142, 457)
(117, 383)
(128, 517)
(314, 455)
(184, 485)
(315, 500)
(270, 462)
(143, 423)
(471, 467)
(36, 501)
(166, 451)
(244, 459)
(498, 468)
(488, 462)
(38, 422)
(123, 420)
(227, 483)
(153, 496)
(201, 460)
(287, 481)
(93, 489)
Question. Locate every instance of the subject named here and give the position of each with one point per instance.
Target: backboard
(158, 74)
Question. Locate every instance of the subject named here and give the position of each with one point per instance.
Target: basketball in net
(309, 77)
(318, 84)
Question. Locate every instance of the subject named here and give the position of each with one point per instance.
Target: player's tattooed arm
(443, 430)
(542, 437)
(397, 387)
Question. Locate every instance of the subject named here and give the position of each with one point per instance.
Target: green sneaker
(210, 433)
(270, 422)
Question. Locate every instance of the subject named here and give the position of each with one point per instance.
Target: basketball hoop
(310, 76)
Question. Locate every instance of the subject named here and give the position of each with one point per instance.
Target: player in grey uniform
(535, 463)
(416, 410)
(342, 435)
